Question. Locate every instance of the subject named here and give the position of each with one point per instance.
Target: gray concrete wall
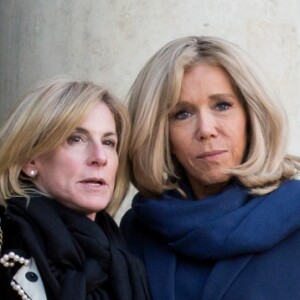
(109, 40)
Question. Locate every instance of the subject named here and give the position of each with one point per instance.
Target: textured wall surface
(108, 41)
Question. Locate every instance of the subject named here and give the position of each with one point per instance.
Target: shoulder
(134, 233)
(288, 189)
(291, 183)
(130, 225)
(19, 275)
(128, 220)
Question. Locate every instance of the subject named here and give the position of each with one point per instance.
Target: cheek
(174, 147)
(177, 140)
(180, 152)
(59, 167)
(182, 145)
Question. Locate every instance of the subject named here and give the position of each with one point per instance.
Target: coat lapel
(160, 257)
(222, 276)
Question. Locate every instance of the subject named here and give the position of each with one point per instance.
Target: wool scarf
(78, 258)
(230, 223)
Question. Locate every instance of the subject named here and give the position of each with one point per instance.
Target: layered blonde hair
(156, 91)
(44, 119)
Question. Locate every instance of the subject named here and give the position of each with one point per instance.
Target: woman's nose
(97, 155)
(206, 126)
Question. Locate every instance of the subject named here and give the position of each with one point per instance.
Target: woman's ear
(30, 169)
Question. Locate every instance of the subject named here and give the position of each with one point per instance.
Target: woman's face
(81, 172)
(208, 128)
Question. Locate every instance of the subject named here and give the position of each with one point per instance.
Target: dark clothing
(76, 257)
(229, 246)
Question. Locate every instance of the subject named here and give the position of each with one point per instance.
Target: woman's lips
(93, 182)
(211, 155)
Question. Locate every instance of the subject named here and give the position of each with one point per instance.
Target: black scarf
(77, 258)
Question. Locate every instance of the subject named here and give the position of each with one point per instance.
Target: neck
(201, 191)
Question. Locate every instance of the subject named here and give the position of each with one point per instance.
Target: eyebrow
(226, 95)
(182, 102)
(85, 131)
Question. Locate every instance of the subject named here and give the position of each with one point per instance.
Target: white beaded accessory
(9, 260)
(16, 287)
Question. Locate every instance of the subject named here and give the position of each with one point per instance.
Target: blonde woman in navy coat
(217, 215)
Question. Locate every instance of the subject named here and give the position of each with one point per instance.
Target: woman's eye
(223, 105)
(110, 143)
(182, 115)
(74, 139)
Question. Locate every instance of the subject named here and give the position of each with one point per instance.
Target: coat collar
(218, 282)
(163, 283)
(222, 275)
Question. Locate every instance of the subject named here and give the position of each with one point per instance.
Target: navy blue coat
(257, 258)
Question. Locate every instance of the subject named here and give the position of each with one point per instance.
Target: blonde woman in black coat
(63, 170)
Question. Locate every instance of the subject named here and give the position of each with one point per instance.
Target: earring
(32, 173)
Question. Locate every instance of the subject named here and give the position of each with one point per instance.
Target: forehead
(205, 80)
(202, 74)
(99, 118)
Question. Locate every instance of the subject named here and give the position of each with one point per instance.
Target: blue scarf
(224, 225)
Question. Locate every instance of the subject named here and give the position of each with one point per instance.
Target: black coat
(76, 258)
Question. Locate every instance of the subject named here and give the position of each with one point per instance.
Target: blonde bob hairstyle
(156, 91)
(44, 119)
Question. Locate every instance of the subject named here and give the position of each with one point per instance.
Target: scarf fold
(224, 225)
(77, 258)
